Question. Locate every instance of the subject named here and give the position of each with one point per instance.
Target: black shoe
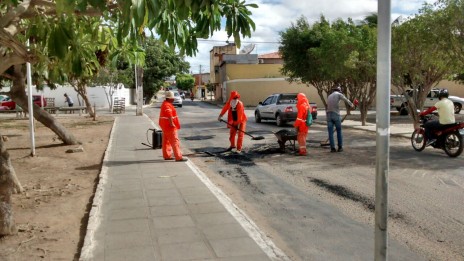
(340, 149)
(230, 148)
(333, 150)
(182, 160)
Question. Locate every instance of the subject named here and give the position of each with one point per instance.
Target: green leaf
(76, 65)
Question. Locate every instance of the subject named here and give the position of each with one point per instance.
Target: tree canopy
(60, 26)
(421, 55)
(325, 55)
(185, 81)
(70, 39)
(161, 62)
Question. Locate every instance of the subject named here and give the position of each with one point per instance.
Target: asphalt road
(320, 207)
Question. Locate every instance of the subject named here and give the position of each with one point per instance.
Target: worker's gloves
(219, 118)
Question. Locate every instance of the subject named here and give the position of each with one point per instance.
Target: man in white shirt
(445, 109)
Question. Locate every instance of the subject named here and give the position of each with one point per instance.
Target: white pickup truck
(400, 102)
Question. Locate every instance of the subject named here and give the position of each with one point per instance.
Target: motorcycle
(449, 139)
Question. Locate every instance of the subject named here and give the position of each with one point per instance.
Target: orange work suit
(303, 108)
(170, 140)
(239, 124)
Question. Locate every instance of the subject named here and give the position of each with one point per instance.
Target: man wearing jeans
(333, 117)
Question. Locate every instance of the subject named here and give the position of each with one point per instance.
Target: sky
(274, 16)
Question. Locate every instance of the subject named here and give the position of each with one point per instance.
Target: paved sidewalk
(146, 208)
(399, 130)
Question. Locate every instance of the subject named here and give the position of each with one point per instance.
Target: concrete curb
(95, 212)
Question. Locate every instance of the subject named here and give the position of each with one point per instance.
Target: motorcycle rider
(445, 109)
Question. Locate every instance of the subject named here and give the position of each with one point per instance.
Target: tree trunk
(363, 110)
(18, 94)
(8, 183)
(82, 90)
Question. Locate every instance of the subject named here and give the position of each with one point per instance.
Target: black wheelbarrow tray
(286, 135)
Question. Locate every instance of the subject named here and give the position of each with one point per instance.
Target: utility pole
(199, 84)
(139, 90)
(382, 129)
(30, 105)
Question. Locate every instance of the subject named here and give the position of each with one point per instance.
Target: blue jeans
(334, 119)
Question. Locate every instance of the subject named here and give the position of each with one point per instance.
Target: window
(274, 99)
(288, 99)
(268, 101)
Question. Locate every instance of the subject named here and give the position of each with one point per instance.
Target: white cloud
(274, 16)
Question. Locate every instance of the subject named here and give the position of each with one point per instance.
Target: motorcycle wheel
(418, 140)
(453, 145)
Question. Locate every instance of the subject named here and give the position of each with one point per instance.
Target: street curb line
(95, 213)
(271, 250)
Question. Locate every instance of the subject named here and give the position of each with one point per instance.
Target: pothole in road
(245, 158)
(343, 192)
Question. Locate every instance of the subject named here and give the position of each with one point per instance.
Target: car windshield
(176, 94)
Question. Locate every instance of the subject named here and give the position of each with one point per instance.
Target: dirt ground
(51, 215)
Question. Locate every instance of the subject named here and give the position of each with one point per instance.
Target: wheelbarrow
(286, 135)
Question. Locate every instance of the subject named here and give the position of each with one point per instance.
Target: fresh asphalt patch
(346, 193)
(200, 137)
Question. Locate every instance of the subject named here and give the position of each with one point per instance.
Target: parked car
(401, 104)
(177, 99)
(280, 107)
(11, 105)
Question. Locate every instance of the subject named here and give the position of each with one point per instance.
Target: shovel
(252, 137)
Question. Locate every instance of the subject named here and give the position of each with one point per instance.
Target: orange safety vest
(167, 110)
(241, 116)
(303, 108)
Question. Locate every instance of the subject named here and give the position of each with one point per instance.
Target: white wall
(96, 95)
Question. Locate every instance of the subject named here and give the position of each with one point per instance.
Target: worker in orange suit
(303, 108)
(169, 123)
(236, 120)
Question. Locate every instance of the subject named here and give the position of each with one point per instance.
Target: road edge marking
(269, 248)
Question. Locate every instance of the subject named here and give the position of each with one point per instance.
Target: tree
(211, 87)
(112, 76)
(420, 57)
(53, 29)
(8, 184)
(161, 62)
(299, 64)
(360, 67)
(451, 22)
(340, 53)
(185, 81)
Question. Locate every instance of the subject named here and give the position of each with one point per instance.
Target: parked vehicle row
(280, 107)
(400, 102)
(7, 103)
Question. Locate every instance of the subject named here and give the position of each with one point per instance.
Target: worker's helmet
(443, 93)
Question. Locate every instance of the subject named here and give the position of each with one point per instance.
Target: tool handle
(232, 126)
